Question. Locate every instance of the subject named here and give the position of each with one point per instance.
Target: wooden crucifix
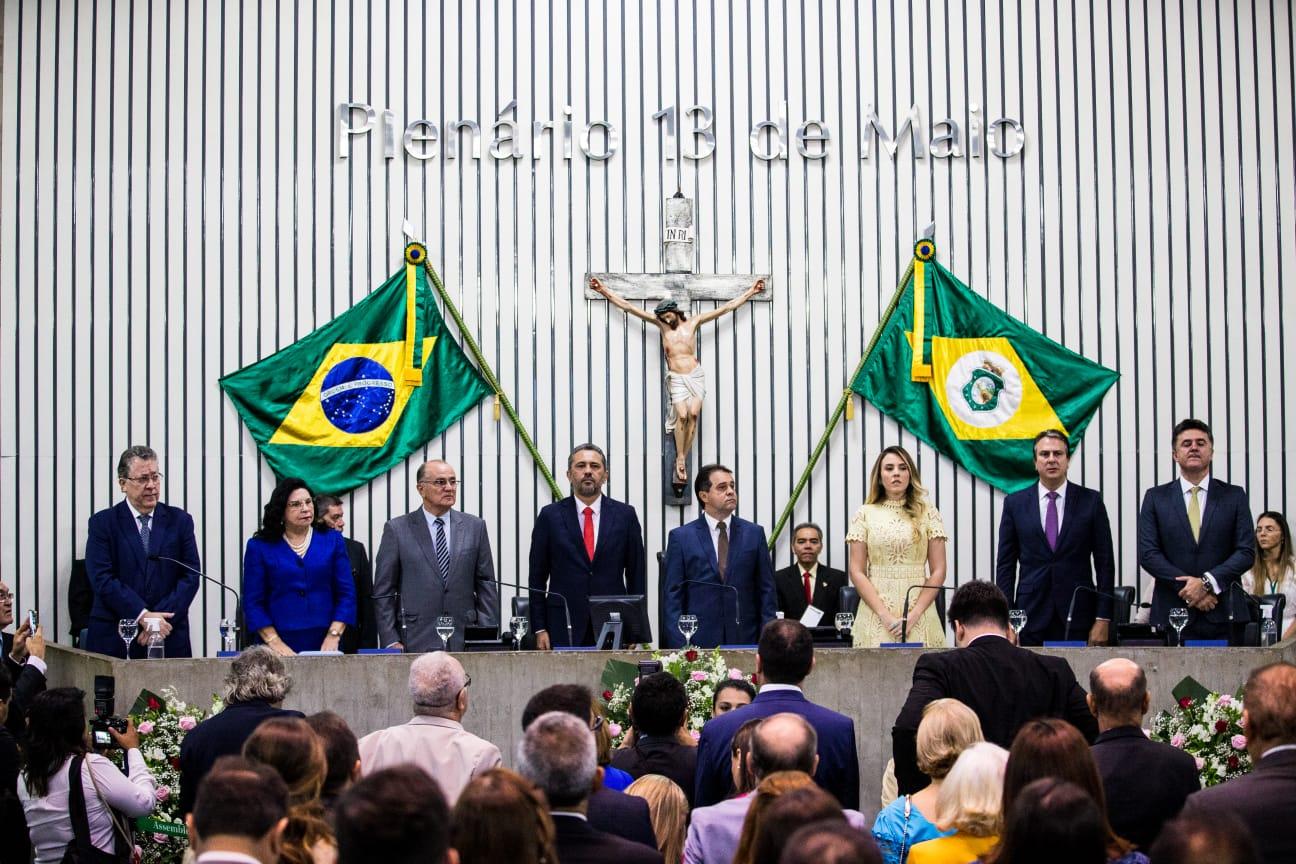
(676, 290)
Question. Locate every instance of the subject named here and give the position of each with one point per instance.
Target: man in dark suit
(330, 513)
(1146, 782)
(255, 688)
(715, 562)
(432, 562)
(659, 710)
(559, 756)
(1005, 685)
(583, 546)
(1049, 534)
(125, 556)
(807, 582)
(784, 659)
(1269, 717)
(1196, 540)
(24, 660)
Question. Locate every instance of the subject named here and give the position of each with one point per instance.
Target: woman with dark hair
(1274, 571)
(1055, 821)
(296, 753)
(1050, 747)
(730, 694)
(897, 541)
(788, 813)
(501, 817)
(298, 594)
(57, 742)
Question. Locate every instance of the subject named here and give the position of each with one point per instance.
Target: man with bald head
(432, 562)
(435, 739)
(1146, 782)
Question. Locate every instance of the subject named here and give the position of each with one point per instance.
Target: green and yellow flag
(358, 395)
(974, 382)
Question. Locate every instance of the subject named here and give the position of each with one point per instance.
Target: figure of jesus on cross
(686, 380)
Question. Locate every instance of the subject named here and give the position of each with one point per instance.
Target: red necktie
(589, 532)
(809, 594)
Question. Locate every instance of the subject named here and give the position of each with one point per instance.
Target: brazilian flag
(971, 380)
(358, 395)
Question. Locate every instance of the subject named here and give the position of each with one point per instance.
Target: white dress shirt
(714, 525)
(1044, 502)
(1187, 488)
(431, 523)
(219, 857)
(597, 506)
(138, 527)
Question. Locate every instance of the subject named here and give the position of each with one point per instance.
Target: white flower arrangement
(699, 671)
(1208, 728)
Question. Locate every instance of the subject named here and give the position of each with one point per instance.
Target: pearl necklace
(300, 548)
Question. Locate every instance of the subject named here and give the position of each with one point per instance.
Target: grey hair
(434, 682)
(558, 755)
(811, 525)
(257, 675)
(137, 451)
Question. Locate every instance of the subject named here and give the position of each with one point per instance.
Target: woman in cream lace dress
(897, 540)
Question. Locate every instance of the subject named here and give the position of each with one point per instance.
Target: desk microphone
(1250, 601)
(566, 609)
(1066, 634)
(737, 616)
(198, 572)
(904, 616)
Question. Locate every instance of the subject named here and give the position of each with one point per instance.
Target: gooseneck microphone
(737, 615)
(566, 609)
(904, 616)
(198, 572)
(1066, 634)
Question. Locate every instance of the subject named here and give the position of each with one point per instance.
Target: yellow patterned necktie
(1194, 513)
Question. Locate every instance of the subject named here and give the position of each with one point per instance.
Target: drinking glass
(1017, 620)
(844, 621)
(228, 634)
(688, 625)
(1179, 620)
(519, 624)
(127, 629)
(445, 628)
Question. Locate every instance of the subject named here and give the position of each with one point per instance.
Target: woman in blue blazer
(298, 594)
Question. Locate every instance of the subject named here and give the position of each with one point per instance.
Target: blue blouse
(890, 833)
(289, 593)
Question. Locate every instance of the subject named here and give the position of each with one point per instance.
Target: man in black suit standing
(1196, 539)
(659, 710)
(330, 513)
(558, 755)
(1269, 717)
(1005, 685)
(1049, 534)
(583, 546)
(1146, 782)
(807, 582)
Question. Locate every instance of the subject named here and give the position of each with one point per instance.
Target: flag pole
(500, 397)
(842, 403)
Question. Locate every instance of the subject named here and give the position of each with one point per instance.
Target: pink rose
(145, 728)
(187, 723)
(1238, 742)
(695, 735)
(159, 837)
(735, 675)
(1177, 740)
(698, 676)
(1200, 762)
(1226, 700)
(614, 729)
(163, 793)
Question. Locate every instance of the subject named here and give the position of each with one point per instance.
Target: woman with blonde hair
(501, 817)
(897, 540)
(970, 803)
(948, 728)
(290, 746)
(668, 810)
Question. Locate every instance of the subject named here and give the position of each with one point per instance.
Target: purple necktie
(1051, 521)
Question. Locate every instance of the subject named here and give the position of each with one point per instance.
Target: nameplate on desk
(733, 647)
(319, 653)
(902, 645)
(227, 653)
(1205, 643)
(380, 651)
(1065, 643)
(578, 648)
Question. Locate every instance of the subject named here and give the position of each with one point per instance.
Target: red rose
(175, 762)
(1221, 725)
(1233, 763)
(153, 704)
(690, 655)
(1185, 702)
(753, 677)
(607, 695)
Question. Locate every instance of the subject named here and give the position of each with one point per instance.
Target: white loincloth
(683, 387)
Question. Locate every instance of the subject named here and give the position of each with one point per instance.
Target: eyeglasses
(145, 479)
(5, 596)
(440, 482)
(300, 505)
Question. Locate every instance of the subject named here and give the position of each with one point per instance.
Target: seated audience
(778, 820)
(1205, 837)
(614, 778)
(1055, 821)
(558, 754)
(830, 842)
(730, 694)
(784, 659)
(341, 755)
(501, 817)
(435, 739)
(394, 816)
(669, 811)
(948, 727)
(1269, 717)
(659, 711)
(609, 810)
(255, 687)
(970, 804)
(290, 747)
(1049, 747)
(239, 815)
(1146, 782)
(58, 770)
(739, 765)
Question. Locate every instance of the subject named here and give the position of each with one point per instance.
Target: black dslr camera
(105, 692)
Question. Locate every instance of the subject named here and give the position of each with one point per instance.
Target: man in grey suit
(432, 562)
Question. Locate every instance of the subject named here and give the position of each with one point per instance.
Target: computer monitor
(634, 616)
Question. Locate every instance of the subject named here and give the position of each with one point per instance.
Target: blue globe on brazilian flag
(359, 394)
(974, 382)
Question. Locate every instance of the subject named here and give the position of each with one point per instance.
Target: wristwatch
(1206, 583)
(335, 633)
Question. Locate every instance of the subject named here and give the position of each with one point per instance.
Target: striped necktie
(442, 551)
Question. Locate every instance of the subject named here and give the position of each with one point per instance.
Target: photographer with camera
(73, 796)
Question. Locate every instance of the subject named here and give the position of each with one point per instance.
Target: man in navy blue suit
(784, 659)
(1196, 539)
(583, 546)
(1052, 530)
(715, 562)
(126, 554)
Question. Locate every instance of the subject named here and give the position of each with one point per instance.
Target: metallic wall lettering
(999, 132)
(805, 138)
(421, 132)
(345, 129)
(704, 130)
(668, 145)
(779, 134)
(946, 144)
(873, 128)
(453, 128)
(506, 132)
(610, 140)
